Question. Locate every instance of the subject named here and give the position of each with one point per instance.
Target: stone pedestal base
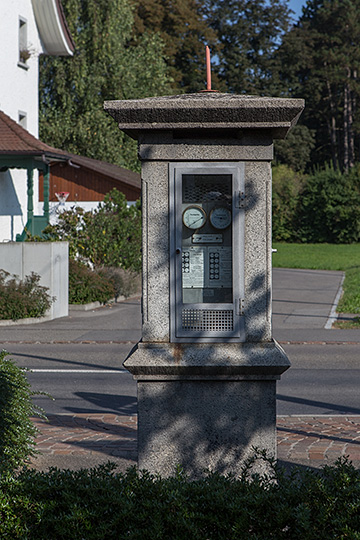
(205, 407)
(204, 425)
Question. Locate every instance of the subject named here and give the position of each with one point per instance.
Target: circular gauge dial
(220, 218)
(194, 217)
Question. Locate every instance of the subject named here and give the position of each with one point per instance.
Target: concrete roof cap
(206, 110)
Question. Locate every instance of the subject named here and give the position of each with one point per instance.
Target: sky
(296, 6)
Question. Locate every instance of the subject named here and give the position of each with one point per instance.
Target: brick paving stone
(302, 440)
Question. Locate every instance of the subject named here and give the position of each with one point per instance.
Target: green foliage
(249, 33)
(86, 285)
(97, 504)
(184, 29)
(125, 282)
(350, 301)
(114, 233)
(319, 60)
(17, 432)
(323, 207)
(22, 299)
(317, 256)
(330, 207)
(107, 64)
(286, 190)
(295, 150)
(108, 236)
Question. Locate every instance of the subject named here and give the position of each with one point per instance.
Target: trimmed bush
(17, 432)
(22, 299)
(330, 207)
(86, 285)
(321, 208)
(97, 504)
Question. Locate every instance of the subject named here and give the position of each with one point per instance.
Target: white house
(28, 28)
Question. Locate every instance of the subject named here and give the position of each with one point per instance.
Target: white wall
(18, 93)
(50, 260)
(13, 204)
(19, 86)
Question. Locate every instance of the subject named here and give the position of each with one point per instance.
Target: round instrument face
(194, 217)
(220, 218)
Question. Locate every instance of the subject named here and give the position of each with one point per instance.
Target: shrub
(330, 207)
(125, 282)
(286, 195)
(97, 504)
(22, 299)
(108, 236)
(323, 207)
(86, 285)
(17, 432)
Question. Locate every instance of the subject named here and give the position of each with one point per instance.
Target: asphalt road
(82, 378)
(78, 359)
(323, 379)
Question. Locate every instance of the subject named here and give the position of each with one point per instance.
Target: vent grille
(202, 189)
(201, 320)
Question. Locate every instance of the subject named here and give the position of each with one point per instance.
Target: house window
(24, 53)
(23, 119)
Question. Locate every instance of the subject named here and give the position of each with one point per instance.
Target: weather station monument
(206, 366)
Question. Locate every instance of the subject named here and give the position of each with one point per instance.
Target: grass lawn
(344, 257)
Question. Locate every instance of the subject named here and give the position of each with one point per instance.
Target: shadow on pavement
(109, 404)
(313, 403)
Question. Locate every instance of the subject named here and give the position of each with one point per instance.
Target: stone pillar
(205, 403)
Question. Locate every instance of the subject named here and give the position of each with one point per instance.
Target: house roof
(17, 141)
(53, 29)
(108, 169)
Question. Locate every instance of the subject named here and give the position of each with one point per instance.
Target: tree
(183, 27)
(320, 59)
(107, 64)
(295, 150)
(249, 33)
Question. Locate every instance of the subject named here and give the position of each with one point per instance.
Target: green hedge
(321, 207)
(17, 431)
(97, 504)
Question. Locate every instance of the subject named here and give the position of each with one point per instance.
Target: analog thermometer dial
(194, 217)
(220, 218)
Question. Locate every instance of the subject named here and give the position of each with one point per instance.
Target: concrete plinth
(204, 425)
(204, 407)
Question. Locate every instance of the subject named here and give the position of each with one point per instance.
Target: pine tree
(249, 33)
(320, 60)
(183, 27)
(107, 64)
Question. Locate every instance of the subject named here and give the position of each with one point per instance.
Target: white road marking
(333, 315)
(77, 371)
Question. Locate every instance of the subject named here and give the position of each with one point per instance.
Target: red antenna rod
(208, 69)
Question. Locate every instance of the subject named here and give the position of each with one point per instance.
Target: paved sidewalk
(83, 440)
(314, 441)
(303, 307)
